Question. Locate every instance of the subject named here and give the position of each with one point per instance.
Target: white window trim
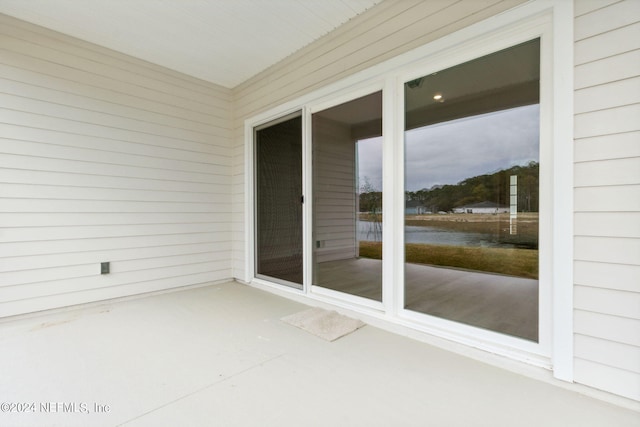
(473, 49)
(553, 19)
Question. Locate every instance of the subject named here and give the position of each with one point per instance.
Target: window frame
(471, 50)
(552, 21)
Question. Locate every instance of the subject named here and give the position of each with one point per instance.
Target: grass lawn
(512, 262)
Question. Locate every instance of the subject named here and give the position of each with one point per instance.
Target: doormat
(328, 325)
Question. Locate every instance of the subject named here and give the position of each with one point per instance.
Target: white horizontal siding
(386, 30)
(92, 149)
(608, 172)
(607, 249)
(600, 46)
(106, 158)
(609, 353)
(38, 266)
(613, 198)
(613, 328)
(607, 196)
(608, 121)
(33, 234)
(599, 274)
(607, 69)
(607, 95)
(65, 274)
(613, 224)
(604, 377)
(608, 147)
(582, 7)
(116, 279)
(608, 301)
(334, 191)
(609, 17)
(159, 79)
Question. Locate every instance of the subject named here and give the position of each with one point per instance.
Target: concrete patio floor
(220, 356)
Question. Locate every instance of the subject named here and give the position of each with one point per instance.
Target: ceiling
(502, 80)
(222, 41)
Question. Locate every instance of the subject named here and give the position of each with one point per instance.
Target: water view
(372, 232)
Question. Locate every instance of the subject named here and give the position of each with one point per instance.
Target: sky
(449, 152)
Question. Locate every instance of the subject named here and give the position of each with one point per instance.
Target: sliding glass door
(471, 195)
(347, 197)
(429, 193)
(278, 201)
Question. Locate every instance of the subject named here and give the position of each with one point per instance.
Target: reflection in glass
(471, 182)
(347, 197)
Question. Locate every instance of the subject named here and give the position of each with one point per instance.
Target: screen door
(278, 193)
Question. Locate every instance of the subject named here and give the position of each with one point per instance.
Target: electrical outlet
(104, 268)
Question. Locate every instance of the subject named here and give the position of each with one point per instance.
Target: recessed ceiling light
(438, 97)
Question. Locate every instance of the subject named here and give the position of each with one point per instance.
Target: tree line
(493, 187)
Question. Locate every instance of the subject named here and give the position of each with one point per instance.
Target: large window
(472, 192)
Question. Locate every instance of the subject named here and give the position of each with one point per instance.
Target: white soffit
(222, 41)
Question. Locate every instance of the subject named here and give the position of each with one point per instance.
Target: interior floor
(503, 304)
(220, 355)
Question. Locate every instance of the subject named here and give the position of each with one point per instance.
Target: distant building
(482, 208)
(414, 207)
